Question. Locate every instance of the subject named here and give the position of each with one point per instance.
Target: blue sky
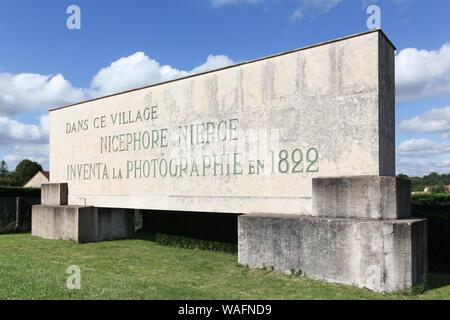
(43, 64)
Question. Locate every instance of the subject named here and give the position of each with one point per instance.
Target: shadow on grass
(140, 235)
(12, 231)
(435, 280)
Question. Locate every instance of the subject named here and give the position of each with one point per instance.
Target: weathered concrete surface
(370, 197)
(54, 194)
(81, 224)
(57, 222)
(327, 109)
(386, 127)
(112, 223)
(384, 256)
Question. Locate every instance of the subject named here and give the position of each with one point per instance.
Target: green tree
(3, 169)
(25, 170)
(439, 188)
(431, 179)
(6, 181)
(5, 176)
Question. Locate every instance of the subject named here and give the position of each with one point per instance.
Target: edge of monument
(234, 65)
(285, 216)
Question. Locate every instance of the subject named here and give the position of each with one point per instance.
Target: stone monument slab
(242, 139)
(384, 256)
(369, 197)
(301, 143)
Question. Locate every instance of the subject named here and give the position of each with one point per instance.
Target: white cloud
(297, 15)
(436, 120)
(139, 70)
(12, 131)
(134, 71)
(33, 152)
(312, 8)
(422, 148)
(30, 141)
(417, 157)
(304, 7)
(213, 62)
(422, 156)
(25, 92)
(309, 7)
(422, 73)
(422, 166)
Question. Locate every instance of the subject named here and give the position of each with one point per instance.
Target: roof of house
(46, 174)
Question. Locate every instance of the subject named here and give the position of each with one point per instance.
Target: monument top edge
(235, 65)
(361, 177)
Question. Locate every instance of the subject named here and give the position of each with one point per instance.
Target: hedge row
(13, 192)
(435, 208)
(190, 243)
(431, 199)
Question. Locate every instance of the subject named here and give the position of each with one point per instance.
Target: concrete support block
(110, 224)
(81, 224)
(56, 222)
(384, 256)
(54, 194)
(366, 197)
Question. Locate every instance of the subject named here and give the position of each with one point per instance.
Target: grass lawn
(32, 268)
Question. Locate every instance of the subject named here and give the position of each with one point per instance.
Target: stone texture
(386, 100)
(300, 118)
(57, 222)
(81, 224)
(336, 97)
(384, 256)
(370, 197)
(54, 194)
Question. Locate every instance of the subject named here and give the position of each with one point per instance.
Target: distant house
(38, 179)
(427, 190)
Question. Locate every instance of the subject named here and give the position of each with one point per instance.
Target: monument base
(81, 224)
(381, 255)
